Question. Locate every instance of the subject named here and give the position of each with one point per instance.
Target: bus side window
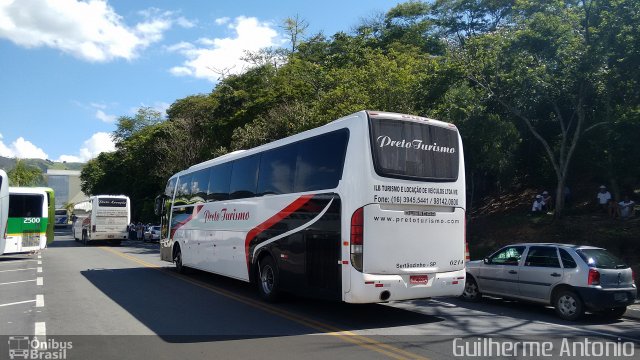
(219, 180)
(244, 177)
(320, 161)
(277, 169)
(199, 185)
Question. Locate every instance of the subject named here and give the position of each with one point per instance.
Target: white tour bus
(368, 208)
(27, 220)
(4, 206)
(102, 217)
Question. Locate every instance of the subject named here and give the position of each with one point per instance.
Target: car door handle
(512, 272)
(556, 275)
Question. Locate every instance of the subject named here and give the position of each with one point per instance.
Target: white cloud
(97, 143)
(101, 115)
(21, 148)
(222, 20)
(211, 57)
(90, 30)
(185, 23)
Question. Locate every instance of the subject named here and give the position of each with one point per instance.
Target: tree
(544, 72)
(24, 175)
(129, 125)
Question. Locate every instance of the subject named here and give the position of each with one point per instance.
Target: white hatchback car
(568, 277)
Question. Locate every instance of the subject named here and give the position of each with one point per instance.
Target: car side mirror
(486, 261)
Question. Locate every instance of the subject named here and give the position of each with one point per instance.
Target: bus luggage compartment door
(401, 239)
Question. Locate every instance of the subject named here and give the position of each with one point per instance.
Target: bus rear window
(25, 205)
(411, 150)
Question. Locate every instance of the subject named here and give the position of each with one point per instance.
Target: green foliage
(532, 86)
(24, 175)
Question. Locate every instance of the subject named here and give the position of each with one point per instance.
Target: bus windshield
(413, 150)
(25, 205)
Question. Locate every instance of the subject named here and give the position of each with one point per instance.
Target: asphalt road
(103, 302)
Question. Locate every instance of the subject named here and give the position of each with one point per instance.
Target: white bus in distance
(368, 208)
(102, 217)
(4, 206)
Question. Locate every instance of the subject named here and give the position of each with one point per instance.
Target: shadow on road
(226, 309)
(527, 310)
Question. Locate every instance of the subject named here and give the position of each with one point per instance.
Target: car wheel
(471, 290)
(615, 313)
(568, 305)
(268, 280)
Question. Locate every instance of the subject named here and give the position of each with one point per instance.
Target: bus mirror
(158, 209)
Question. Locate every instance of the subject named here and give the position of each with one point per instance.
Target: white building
(66, 184)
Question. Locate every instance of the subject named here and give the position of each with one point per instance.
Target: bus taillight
(93, 228)
(357, 238)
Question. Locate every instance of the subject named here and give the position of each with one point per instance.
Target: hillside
(8, 164)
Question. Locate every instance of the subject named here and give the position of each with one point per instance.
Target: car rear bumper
(599, 299)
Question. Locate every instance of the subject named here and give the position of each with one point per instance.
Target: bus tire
(177, 259)
(268, 280)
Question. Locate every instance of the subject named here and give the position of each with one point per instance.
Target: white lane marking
(39, 281)
(41, 329)
(39, 300)
(40, 333)
(39, 262)
(39, 269)
(39, 256)
(16, 282)
(17, 269)
(18, 302)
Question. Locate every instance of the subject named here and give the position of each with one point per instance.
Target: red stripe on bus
(291, 208)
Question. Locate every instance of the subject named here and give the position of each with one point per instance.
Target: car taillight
(594, 277)
(357, 238)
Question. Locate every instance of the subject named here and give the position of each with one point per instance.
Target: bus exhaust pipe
(385, 295)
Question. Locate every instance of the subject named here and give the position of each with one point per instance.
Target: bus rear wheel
(268, 280)
(177, 259)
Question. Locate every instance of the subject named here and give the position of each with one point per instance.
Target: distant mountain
(8, 163)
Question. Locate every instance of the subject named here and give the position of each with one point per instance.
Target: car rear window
(601, 258)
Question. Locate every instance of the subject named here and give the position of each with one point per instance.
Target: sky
(69, 68)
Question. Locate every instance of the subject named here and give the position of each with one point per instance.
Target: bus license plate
(418, 279)
(620, 297)
(110, 236)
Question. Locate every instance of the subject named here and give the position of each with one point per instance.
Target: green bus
(4, 205)
(28, 220)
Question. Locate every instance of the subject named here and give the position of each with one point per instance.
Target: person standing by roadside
(603, 197)
(139, 229)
